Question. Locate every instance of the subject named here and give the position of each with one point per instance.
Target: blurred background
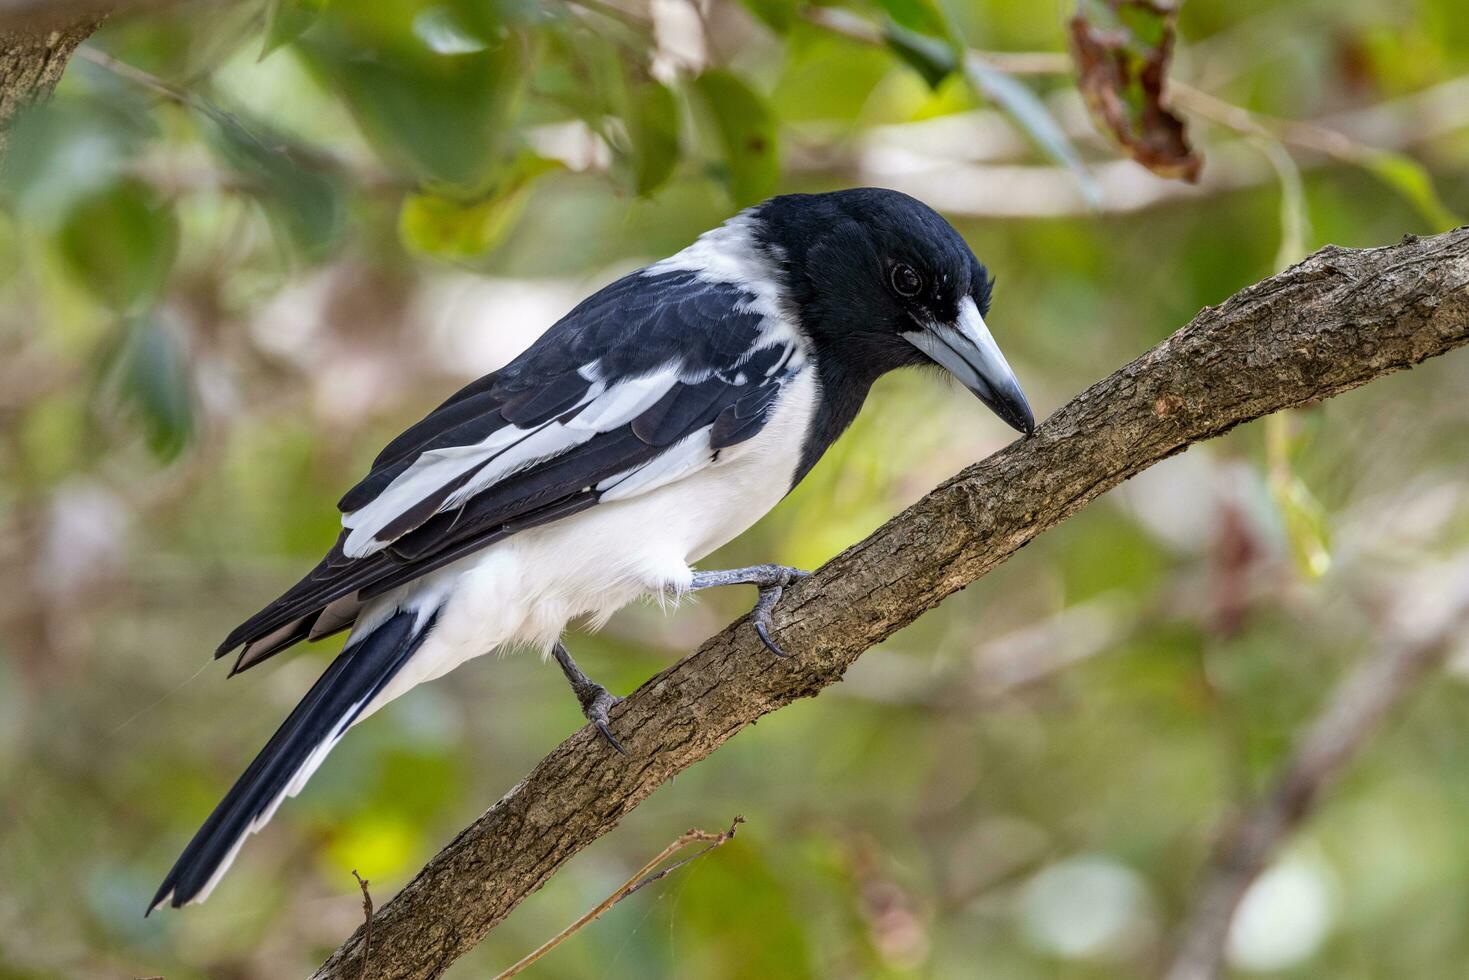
(246, 243)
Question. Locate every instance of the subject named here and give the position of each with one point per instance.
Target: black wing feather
(536, 406)
(679, 412)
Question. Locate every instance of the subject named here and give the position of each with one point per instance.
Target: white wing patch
(625, 401)
(502, 454)
(432, 471)
(547, 441)
(690, 453)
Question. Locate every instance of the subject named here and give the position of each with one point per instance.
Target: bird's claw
(769, 595)
(763, 631)
(611, 739)
(595, 707)
(594, 699)
(771, 580)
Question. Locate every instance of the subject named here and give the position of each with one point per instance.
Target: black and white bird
(656, 421)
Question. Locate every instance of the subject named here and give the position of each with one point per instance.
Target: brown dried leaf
(1122, 49)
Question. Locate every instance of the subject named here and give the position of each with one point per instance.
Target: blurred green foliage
(246, 243)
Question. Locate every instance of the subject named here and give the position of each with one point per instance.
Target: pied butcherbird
(656, 421)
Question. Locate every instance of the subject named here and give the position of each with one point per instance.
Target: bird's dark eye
(905, 281)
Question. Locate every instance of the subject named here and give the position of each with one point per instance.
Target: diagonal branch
(1329, 324)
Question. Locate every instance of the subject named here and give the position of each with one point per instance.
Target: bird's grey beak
(966, 349)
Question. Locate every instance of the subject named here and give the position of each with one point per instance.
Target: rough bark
(1329, 324)
(33, 54)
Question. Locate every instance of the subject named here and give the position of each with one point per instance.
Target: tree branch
(1429, 622)
(1329, 324)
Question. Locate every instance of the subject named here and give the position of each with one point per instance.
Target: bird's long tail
(361, 671)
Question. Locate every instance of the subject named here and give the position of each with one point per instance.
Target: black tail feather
(358, 674)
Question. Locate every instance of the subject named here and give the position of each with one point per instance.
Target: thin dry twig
(644, 876)
(1355, 711)
(363, 175)
(854, 27)
(367, 921)
(1302, 134)
(141, 78)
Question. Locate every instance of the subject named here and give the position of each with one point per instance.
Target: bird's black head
(881, 281)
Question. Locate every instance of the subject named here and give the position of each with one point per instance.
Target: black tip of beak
(1012, 408)
(1024, 424)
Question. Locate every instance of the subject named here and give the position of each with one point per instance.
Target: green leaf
(652, 128)
(778, 15)
(1412, 180)
(1030, 113)
(748, 134)
(154, 381)
(445, 227)
(445, 115)
(931, 57)
(307, 202)
(586, 74)
(120, 244)
(286, 20)
(918, 16)
(591, 77)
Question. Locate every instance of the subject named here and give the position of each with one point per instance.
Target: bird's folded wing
(641, 385)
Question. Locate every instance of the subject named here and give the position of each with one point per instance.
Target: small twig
(367, 916)
(627, 18)
(854, 27)
(140, 77)
(644, 876)
(299, 154)
(1355, 711)
(1303, 134)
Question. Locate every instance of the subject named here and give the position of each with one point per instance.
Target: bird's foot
(596, 707)
(594, 699)
(771, 580)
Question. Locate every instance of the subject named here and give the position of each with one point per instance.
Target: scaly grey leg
(593, 697)
(771, 580)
